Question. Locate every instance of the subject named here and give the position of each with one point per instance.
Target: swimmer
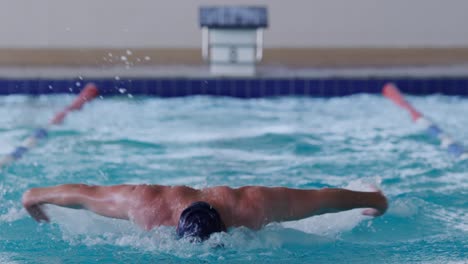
(199, 213)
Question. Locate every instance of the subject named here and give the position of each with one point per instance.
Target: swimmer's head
(199, 221)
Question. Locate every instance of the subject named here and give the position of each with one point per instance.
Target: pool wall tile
(239, 87)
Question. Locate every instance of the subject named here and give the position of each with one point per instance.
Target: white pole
(259, 49)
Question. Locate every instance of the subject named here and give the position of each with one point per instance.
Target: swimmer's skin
(155, 205)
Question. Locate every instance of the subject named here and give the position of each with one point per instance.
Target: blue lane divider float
(38, 134)
(454, 148)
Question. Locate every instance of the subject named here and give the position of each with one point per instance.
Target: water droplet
(130, 96)
(109, 54)
(117, 78)
(122, 90)
(123, 58)
(129, 52)
(50, 87)
(78, 84)
(147, 58)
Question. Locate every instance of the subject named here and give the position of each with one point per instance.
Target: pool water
(347, 142)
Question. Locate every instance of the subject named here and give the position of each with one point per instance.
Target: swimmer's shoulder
(249, 189)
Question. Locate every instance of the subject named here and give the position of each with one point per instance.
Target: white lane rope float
(454, 148)
(87, 94)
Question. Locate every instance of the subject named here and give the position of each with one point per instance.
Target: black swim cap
(199, 221)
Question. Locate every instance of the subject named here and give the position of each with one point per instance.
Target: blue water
(346, 142)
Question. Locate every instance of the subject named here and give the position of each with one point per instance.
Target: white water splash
(6, 258)
(13, 214)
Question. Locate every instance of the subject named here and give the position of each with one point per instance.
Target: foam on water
(79, 227)
(203, 141)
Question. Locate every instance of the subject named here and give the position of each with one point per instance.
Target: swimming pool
(204, 141)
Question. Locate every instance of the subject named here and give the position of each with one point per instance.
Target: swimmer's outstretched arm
(294, 204)
(111, 201)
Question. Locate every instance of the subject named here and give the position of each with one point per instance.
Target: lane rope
(454, 148)
(89, 92)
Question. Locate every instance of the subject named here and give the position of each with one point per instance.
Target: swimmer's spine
(453, 148)
(87, 94)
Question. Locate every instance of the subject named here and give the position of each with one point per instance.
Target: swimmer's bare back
(155, 205)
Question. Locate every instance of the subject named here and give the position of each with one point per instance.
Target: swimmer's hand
(33, 208)
(37, 213)
(380, 204)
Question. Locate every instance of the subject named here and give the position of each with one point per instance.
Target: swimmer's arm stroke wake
(110, 201)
